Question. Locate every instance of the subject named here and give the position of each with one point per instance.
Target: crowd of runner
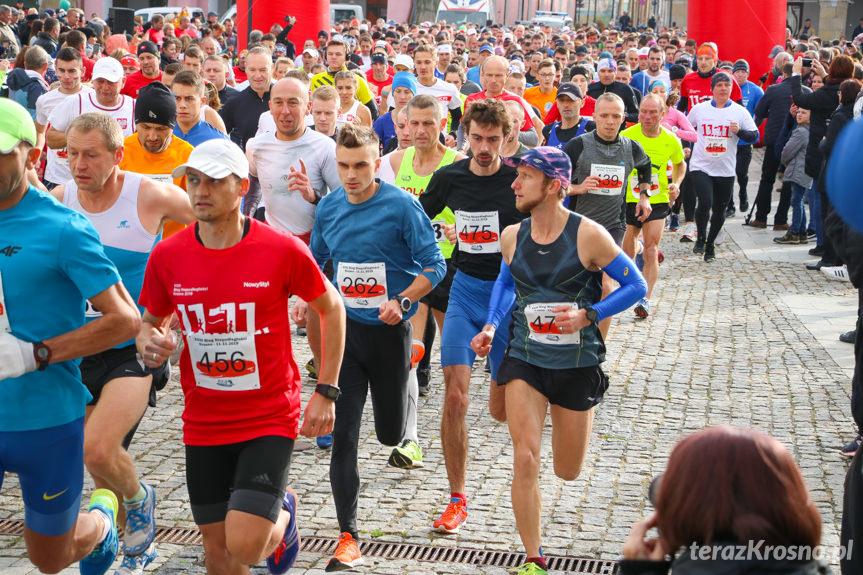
(164, 194)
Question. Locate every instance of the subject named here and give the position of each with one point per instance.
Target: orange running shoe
(453, 517)
(347, 554)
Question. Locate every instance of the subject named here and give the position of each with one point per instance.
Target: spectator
(27, 84)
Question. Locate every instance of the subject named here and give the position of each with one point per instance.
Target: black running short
(100, 369)
(660, 212)
(438, 297)
(578, 388)
(249, 476)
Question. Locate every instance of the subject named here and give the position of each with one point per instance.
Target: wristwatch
(404, 303)
(328, 391)
(591, 315)
(42, 355)
(645, 193)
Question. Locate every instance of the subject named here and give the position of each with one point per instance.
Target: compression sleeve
(502, 296)
(632, 287)
(748, 136)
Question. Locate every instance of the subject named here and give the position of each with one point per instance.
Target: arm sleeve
(641, 162)
(632, 287)
(685, 130)
(502, 296)
(455, 114)
(433, 200)
(748, 136)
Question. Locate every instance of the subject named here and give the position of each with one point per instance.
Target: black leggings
(686, 200)
(377, 356)
(712, 191)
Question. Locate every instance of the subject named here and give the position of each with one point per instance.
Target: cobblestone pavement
(722, 346)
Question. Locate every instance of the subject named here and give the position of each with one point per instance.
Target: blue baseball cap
(487, 48)
(405, 80)
(549, 160)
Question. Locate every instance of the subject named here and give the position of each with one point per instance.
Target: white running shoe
(839, 273)
(719, 238)
(689, 232)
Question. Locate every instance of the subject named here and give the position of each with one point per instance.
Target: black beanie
(156, 105)
(677, 72)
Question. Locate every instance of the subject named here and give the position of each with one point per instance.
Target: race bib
(654, 184)
(611, 179)
(224, 361)
(363, 286)
(4, 316)
(540, 324)
(478, 232)
(161, 178)
(437, 226)
(716, 147)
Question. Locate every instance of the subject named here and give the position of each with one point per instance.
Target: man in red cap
(148, 59)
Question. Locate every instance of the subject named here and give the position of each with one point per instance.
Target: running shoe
(311, 369)
(851, 449)
(839, 273)
(135, 564)
(286, 553)
(689, 232)
(698, 248)
(531, 568)
(140, 523)
(301, 331)
(642, 310)
(673, 222)
(744, 206)
(325, 441)
(424, 381)
(810, 233)
(347, 555)
(408, 455)
(849, 337)
(639, 255)
(788, 238)
(720, 238)
(453, 517)
(709, 252)
(730, 211)
(100, 559)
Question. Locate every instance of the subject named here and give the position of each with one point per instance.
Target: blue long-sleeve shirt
(389, 228)
(752, 94)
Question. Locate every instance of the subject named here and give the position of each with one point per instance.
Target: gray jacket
(794, 157)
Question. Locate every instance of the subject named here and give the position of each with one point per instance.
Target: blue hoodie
(25, 87)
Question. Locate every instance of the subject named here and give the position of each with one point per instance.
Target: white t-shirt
(57, 165)
(444, 91)
(267, 123)
(270, 161)
(715, 152)
(385, 171)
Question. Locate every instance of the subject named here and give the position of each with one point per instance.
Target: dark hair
(737, 485)
(192, 79)
(488, 113)
(841, 68)
(351, 136)
(174, 68)
(848, 91)
(68, 54)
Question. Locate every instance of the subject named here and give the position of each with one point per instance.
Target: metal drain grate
(383, 550)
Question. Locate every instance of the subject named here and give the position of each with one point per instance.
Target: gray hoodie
(794, 157)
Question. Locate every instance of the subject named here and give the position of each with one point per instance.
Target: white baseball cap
(404, 60)
(311, 52)
(217, 159)
(471, 31)
(108, 68)
(444, 49)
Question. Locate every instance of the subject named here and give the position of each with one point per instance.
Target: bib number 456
(222, 364)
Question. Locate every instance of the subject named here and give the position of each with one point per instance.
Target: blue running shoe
(100, 559)
(673, 223)
(325, 441)
(134, 565)
(639, 257)
(286, 553)
(140, 523)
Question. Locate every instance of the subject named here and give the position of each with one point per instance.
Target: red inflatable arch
(312, 17)
(745, 29)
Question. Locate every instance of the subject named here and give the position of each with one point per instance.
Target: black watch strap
(591, 315)
(328, 391)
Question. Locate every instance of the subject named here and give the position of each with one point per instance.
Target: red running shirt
(239, 376)
(695, 89)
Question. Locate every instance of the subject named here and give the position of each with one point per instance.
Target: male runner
(69, 68)
(190, 94)
(107, 82)
(337, 55)
(128, 212)
(239, 377)
(425, 57)
(569, 101)
(553, 263)
(42, 333)
(324, 109)
(477, 192)
(385, 259)
(153, 149)
(242, 112)
(411, 170)
(663, 148)
(148, 59)
(602, 161)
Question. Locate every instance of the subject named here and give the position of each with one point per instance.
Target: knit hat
(405, 80)
(719, 77)
(156, 105)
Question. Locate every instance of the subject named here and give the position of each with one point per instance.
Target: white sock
(413, 394)
(106, 527)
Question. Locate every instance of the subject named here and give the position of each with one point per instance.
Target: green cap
(16, 125)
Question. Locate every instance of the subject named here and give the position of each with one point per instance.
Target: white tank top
(349, 116)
